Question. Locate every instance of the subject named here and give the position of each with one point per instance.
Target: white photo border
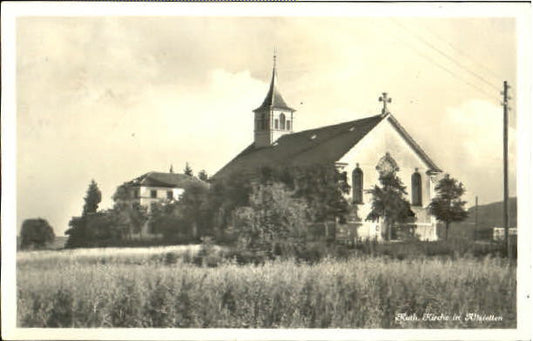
(13, 10)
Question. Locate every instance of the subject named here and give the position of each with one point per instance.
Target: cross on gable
(385, 99)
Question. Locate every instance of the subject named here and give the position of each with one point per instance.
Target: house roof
(324, 145)
(159, 179)
(273, 98)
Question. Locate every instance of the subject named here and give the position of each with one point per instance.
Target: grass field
(136, 288)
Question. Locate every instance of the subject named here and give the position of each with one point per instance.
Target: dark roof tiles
(325, 145)
(273, 98)
(315, 146)
(159, 179)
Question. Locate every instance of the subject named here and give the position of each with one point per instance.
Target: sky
(111, 98)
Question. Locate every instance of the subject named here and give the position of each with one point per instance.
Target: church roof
(273, 98)
(411, 142)
(159, 179)
(324, 145)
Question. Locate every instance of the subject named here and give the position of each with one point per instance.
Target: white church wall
(367, 153)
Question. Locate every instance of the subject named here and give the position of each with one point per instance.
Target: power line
(455, 75)
(447, 70)
(418, 37)
(472, 60)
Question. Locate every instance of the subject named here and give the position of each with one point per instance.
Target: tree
(130, 217)
(36, 233)
(192, 204)
(187, 170)
(321, 187)
(447, 205)
(79, 235)
(202, 175)
(226, 194)
(160, 221)
(92, 199)
(274, 222)
(388, 203)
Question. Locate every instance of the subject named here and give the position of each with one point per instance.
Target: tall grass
(353, 293)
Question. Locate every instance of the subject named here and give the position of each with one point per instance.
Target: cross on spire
(274, 58)
(385, 99)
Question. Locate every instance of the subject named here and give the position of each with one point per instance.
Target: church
(361, 150)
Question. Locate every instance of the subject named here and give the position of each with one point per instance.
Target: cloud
(471, 136)
(110, 98)
(169, 124)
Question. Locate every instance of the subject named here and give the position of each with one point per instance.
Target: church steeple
(273, 98)
(274, 117)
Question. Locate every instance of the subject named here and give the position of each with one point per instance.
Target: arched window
(282, 121)
(416, 189)
(288, 124)
(357, 185)
(276, 123)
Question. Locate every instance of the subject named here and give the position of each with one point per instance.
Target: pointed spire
(171, 170)
(273, 98)
(274, 59)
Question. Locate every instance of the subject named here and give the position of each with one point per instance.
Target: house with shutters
(361, 150)
(154, 187)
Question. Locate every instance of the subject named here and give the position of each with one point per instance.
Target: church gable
(388, 148)
(414, 146)
(390, 137)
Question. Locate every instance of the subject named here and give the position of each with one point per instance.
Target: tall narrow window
(288, 124)
(153, 193)
(416, 189)
(357, 185)
(282, 121)
(276, 123)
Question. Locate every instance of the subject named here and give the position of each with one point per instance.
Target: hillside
(491, 215)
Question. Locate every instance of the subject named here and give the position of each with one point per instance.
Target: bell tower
(274, 118)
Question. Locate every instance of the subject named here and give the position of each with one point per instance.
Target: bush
(170, 258)
(208, 255)
(274, 224)
(36, 233)
(422, 249)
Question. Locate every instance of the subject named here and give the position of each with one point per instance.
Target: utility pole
(505, 169)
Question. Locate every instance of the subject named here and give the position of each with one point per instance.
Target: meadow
(162, 287)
